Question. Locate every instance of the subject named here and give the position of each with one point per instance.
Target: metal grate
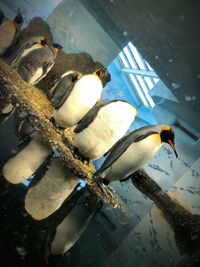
(140, 74)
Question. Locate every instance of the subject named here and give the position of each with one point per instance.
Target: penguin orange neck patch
(166, 128)
(56, 50)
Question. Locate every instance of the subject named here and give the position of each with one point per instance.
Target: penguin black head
(43, 41)
(56, 48)
(18, 19)
(167, 136)
(103, 73)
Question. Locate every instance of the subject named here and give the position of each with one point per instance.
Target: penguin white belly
(110, 124)
(44, 73)
(85, 94)
(49, 193)
(7, 34)
(133, 158)
(27, 161)
(37, 76)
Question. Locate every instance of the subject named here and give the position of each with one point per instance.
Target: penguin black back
(63, 89)
(91, 115)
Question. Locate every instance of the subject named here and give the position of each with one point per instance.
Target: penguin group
(100, 129)
(32, 58)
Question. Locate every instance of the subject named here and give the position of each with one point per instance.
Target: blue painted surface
(117, 88)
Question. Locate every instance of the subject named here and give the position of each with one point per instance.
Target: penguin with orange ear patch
(36, 64)
(102, 127)
(22, 48)
(8, 31)
(16, 54)
(133, 150)
(74, 95)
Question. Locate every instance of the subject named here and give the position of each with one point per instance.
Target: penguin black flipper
(122, 145)
(40, 172)
(89, 117)
(63, 89)
(15, 51)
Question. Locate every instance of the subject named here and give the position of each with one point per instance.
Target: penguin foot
(80, 157)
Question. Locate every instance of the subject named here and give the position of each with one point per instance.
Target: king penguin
(102, 127)
(8, 32)
(27, 160)
(22, 48)
(37, 63)
(133, 150)
(53, 187)
(70, 223)
(18, 52)
(74, 95)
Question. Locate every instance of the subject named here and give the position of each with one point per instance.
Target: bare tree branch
(186, 226)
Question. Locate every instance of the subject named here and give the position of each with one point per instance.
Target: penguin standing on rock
(134, 150)
(8, 32)
(102, 127)
(37, 63)
(74, 95)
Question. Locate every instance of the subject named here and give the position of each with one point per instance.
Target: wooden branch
(186, 226)
(35, 103)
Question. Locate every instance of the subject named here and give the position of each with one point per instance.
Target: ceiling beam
(140, 72)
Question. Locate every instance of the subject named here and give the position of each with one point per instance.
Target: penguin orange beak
(173, 147)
